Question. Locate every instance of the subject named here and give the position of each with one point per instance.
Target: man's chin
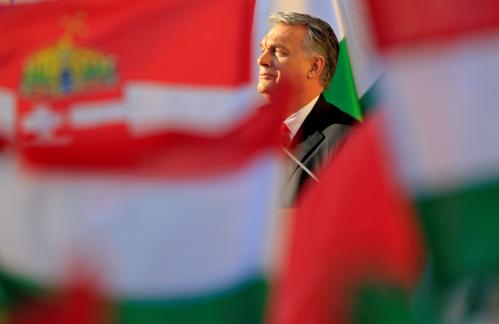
(265, 91)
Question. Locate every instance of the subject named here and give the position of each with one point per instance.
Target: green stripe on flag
(342, 91)
(462, 229)
(370, 99)
(382, 304)
(16, 290)
(243, 303)
(3, 303)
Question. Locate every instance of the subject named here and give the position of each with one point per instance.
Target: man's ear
(316, 67)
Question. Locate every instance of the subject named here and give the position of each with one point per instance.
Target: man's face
(282, 58)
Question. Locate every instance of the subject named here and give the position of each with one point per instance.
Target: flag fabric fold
(441, 69)
(136, 149)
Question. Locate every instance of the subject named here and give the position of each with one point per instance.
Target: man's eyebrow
(280, 45)
(275, 45)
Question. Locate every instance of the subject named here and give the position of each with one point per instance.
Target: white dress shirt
(297, 118)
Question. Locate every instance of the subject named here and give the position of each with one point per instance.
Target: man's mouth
(266, 76)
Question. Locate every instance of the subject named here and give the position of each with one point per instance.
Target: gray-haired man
(303, 50)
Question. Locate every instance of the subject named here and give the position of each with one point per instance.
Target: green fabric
(3, 296)
(342, 91)
(427, 299)
(370, 99)
(243, 303)
(462, 231)
(16, 290)
(463, 302)
(382, 304)
(3, 302)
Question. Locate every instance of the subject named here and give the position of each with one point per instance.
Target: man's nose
(265, 59)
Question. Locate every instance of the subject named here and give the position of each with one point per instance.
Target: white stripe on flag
(147, 238)
(7, 112)
(153, 106)
(148, 107)
(87, 115)
(442, 107)
(364, 57)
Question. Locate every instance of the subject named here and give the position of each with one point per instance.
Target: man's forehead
(273, 41)
(283, 34)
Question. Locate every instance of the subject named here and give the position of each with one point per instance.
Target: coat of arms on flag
(64, 68)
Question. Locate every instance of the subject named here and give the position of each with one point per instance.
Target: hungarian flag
(442, 71)
(136, 157)
(427, 169)
(359, 66)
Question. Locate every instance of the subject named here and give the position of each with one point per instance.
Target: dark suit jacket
(319, 138)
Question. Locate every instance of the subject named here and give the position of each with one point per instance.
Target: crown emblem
(65, 68)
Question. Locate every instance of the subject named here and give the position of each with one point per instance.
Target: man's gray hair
(320, 39)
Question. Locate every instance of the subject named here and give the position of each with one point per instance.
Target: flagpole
(301, 165)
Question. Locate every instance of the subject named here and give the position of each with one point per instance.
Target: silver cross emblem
(43, 122)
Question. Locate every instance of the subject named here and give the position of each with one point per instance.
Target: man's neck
(296, 119)
(298, 102)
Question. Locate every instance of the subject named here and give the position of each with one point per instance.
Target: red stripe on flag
(405, 22)
(80, 302)
(170, 41)
(173, 154)
(176, 42)
(170, 153)
(354, 226)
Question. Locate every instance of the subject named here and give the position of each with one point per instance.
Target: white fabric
(148, 107)
(366, 62)
(144, 237)
(151, 106)
(442, 112)
(7, 112)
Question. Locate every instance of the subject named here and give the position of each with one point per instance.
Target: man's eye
(263, 49)
(279, 52)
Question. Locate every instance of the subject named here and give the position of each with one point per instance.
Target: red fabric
(168, 154)
(168, 42)
(80, 303)
(285, 135)
(171, 41)
(353, 226)
(405, 22)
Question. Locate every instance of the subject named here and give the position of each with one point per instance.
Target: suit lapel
(309, 136)
(307, 144)
(303, 150)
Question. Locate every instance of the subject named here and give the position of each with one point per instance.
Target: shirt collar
(297, 118)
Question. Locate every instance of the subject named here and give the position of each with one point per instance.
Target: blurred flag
(358, 66)
(135, 150)
(341, 245)
(442, 121)
(439, 122)
(441, 83)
